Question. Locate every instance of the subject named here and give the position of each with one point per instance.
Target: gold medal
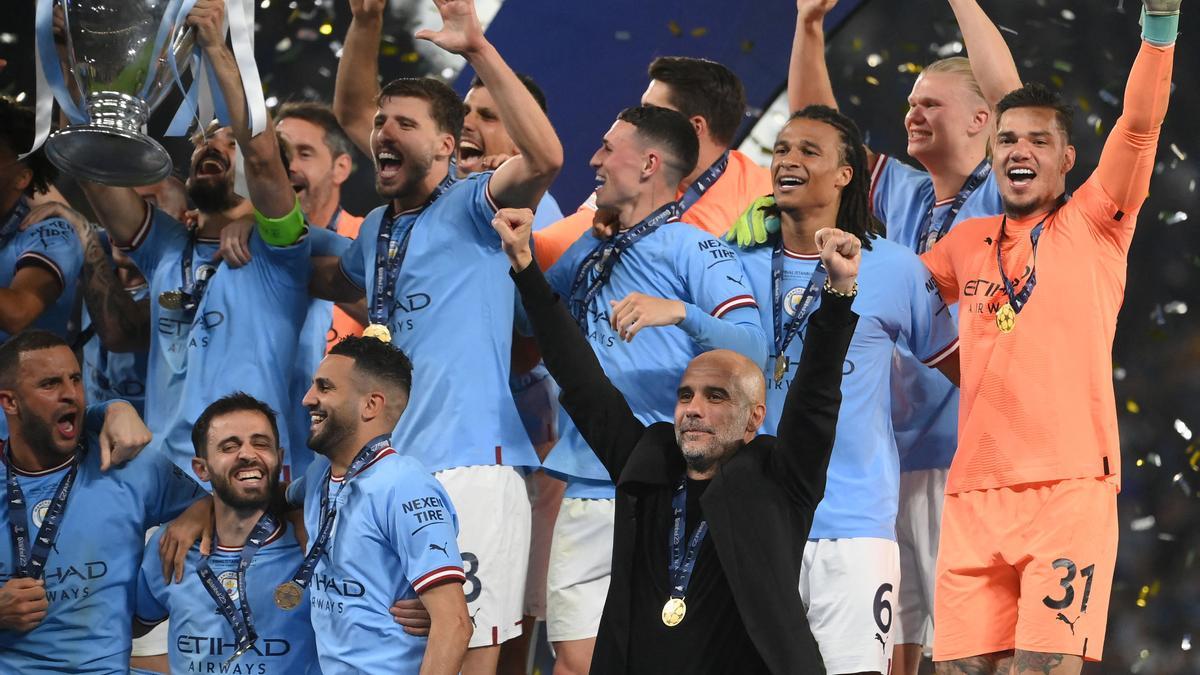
(287, 595)
(1006, 318)
(170, 299)
(378, 330)
(781, 366)
(673, 612)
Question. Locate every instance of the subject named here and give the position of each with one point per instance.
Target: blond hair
(961, 66)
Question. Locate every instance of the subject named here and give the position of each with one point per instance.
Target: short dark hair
(1035, 95)
(377, 359)
(534, 89)
(854, 209)
(703, 88)
(671, 131)
(320, 115)
(238, 401)
(445, 106)
(16, 132)
(30, 340)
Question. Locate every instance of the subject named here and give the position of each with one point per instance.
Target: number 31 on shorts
(1068, 595)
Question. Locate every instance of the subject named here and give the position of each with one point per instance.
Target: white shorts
(493, 536)
(580, 568)
(848, 587)
(918, 527)
(545, 497)
(153, 643)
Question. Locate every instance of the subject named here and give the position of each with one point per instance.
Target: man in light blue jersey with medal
(208, 318)
(851, 564)
(75, 535)
(223, 615)
(949, 125)
(381, 527)
(656, 271)
(433, 273)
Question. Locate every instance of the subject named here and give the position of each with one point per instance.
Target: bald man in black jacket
(681, 601)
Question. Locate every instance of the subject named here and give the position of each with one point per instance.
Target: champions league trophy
(116, 65)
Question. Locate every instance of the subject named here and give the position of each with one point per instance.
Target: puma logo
(477, 610)
(737, 281)
(442, 548)
(882, 642)
(1063, 618)
(987, 240)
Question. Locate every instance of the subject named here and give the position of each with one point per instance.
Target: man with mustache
(430, 267)
(208, 317)
(71, 555)
(1029, 527)
(238, 453)
(711, 518)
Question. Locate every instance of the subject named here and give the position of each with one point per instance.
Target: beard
(419, 169)
(225, 489)
(333, 432)
(211, 196)
(39, 434)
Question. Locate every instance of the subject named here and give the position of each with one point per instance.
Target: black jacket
(759, 506)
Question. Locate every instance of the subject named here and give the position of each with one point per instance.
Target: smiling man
(682, 601)
(1029, 531)
(238, 453)
(430, 267)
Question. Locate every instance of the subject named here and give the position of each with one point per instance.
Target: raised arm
(357, 83)
(120, 210)
(594, 404)
(520, 181)
(810, 412)
(1127, 161)
(808, 77)
(271, 191)
(991, 61)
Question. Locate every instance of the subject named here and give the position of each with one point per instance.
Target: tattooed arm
(121, 323)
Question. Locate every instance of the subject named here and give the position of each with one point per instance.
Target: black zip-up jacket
(760, 504)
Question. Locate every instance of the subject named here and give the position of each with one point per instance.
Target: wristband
(283, 231)
(838, 294)
(1160, 29)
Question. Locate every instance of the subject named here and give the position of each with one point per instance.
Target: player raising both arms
(1029, 530)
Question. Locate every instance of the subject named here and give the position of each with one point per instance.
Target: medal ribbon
(1018, 299)
(928, 237)
(329, 511)
(697, 189)
(785, 334)
(31, 560)
(241, 622)
(191, 289)
(679, 571)
(603, 259)
(390, 252)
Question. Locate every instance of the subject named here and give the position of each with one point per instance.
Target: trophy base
(107, 155)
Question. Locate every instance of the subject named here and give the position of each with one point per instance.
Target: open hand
(412, 615)
(235, 243)
(638, 310)
(461, 32)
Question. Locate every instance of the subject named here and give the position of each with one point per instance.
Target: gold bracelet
(838, 294)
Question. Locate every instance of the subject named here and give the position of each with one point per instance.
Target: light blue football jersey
(547, 212)
(201, 640)
(924, 403)
(92, 570)
(242, 337)
(50, 244)
(897, 304)
(677, 261)
(452, 315)
(394, 538)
